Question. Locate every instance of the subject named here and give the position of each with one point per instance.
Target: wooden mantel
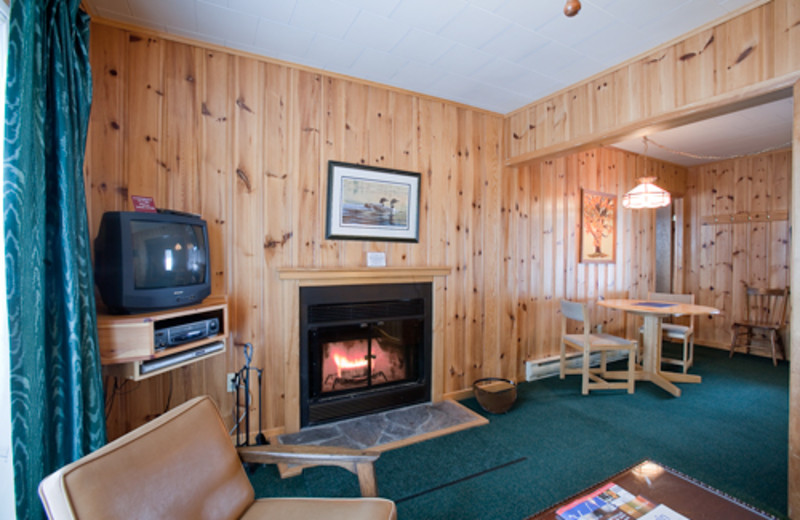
(296, 277)
(363, 274)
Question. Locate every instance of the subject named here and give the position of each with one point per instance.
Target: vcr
(179, 334)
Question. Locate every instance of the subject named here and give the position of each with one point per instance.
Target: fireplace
(363, 349)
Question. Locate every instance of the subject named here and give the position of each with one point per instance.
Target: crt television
(151, 261)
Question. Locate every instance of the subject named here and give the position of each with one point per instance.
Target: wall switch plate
(231, 382)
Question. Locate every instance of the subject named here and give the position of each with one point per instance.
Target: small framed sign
(143, 204)
(376, 259)
(370, 203)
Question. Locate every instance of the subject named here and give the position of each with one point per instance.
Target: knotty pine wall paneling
(105, 141)
(278, 229)
(262, 134)
(751, 54)
(498, 355)
(722, 258)
(259, 134)
(541, 215)
(246, 303)
(245, 142)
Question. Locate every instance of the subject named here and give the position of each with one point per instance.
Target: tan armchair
(183, 465)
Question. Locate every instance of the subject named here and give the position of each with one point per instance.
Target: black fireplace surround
(363, 349)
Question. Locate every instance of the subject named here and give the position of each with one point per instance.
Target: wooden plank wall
(246, 142)
(709, 68)
(541, 211)
(723, 258)
(754, 55)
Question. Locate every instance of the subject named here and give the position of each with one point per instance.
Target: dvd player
(168, 361)
(177, 335)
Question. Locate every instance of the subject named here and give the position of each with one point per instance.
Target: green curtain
(56, 383)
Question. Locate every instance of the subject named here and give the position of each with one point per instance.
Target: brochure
(609, 502)
(662, 512)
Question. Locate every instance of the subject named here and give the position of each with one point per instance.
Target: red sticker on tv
(143, 204)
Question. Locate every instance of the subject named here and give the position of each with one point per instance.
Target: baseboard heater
(549, 366)
(168, 361)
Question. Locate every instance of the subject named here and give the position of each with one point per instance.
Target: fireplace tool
(241, 381)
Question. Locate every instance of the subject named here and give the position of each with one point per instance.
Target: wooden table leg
(678, 377)
(651, 362)
(651, 338)
(661, 381)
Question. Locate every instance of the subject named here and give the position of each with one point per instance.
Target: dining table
(653, 312)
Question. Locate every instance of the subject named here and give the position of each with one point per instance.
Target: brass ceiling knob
(572, 7)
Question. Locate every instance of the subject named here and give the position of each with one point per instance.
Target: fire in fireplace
(361, 363)
(364, 348)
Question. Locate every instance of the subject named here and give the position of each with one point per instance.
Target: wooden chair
(586, 343)
(677, 331)
(765, 311)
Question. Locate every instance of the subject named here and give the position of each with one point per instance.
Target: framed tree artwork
(598, 227)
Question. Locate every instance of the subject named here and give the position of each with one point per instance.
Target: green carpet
(731, 432)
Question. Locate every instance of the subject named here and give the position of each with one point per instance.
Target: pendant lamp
(646, 194)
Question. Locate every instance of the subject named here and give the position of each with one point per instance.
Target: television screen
(151, 261)
(167, 254)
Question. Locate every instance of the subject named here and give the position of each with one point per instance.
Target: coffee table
(662, 485)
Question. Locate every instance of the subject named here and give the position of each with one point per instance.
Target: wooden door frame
(794, 319)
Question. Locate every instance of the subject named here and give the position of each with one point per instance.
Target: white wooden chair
(586, 343)
(673, 330)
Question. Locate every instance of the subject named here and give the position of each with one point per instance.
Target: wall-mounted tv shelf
(128, 348)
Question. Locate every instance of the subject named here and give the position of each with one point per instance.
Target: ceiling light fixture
(646, 194)
(572, 7)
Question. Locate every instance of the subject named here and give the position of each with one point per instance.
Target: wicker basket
(494, 394)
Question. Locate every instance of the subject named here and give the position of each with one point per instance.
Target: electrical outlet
(231, 382)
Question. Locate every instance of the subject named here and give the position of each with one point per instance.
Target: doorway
(669, 247)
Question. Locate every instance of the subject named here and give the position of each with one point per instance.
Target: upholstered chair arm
(359, 462)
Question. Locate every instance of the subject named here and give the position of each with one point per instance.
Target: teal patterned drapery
(56, 385)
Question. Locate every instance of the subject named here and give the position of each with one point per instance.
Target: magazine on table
(609, 502)
(662, 512)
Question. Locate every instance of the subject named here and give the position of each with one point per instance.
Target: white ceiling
(493, 54)
(745, 132)
(497, 55)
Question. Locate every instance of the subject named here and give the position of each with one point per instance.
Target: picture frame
(372, 203)
(598, 232)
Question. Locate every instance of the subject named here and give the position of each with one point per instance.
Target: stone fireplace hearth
(391, 429)
(384, 375)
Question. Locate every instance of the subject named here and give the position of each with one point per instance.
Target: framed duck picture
(371, 203)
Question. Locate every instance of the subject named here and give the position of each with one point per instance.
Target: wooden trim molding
(794, 321)
(294, 278)
(746, 97)
(361, 274)
(744, 217)
(737, 62)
